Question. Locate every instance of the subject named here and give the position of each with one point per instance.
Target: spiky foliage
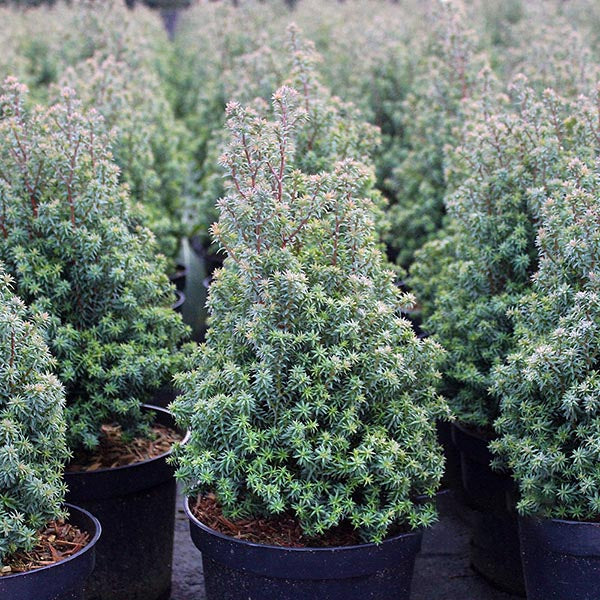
(311, 395)
(32, 427)
(553, 54)
(334, 131)
(150, 147)
(47, 40)
(550, 385)
(516, 151)
(78, 250)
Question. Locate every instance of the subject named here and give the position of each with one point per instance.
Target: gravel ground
(442, 570)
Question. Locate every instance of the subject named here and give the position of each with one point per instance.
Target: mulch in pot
(280, 530)
(115, 451)
(56, 542)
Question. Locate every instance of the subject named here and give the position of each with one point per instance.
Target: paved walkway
(442, 570)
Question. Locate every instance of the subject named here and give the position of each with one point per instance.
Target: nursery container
(452, 474)
(211, 260)
(136, 506)
(495, 551)
(561, 559)
(63, 580)
(179, 301)
(240, 570)
(179, 278)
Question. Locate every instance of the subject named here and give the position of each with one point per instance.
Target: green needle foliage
(32, 427)
(516, 151)
(149, 147)
(78, 250)
(312, 394)
(550, 385)
(334, 130)
(432, 116)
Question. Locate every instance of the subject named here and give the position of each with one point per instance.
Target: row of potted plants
(76, 248)
(312, 405)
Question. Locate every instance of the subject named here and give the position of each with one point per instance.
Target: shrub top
(149, 145)
(32, 427)
(78, 250)
(311, 395)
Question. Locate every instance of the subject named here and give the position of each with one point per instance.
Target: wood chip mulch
(115, 452)
(56, 542)
(283, 530)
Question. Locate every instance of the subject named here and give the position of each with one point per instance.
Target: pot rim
(325, 549)
(179, 300)
(88, 546)
(146, 461)
(560, 521)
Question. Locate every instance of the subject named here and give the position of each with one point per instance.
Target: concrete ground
(442, 570)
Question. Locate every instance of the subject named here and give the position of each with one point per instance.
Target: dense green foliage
(329, 396)
(32, 427)
(149, 145)
(335, 131)
(516, 151)
(471, 113)
(113, 58)
(549, 384)
(78, 250)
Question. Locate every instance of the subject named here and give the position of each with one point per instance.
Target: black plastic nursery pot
(179, 278)
(495, 549)
(452, 479)
(211, 260)
(136, 506)
(240, 570)
(177, 306)
(63, 580)
(561, 559)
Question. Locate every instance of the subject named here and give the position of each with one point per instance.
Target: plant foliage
(32, 427)
(311, 394)
(78, 250)
(549, 385)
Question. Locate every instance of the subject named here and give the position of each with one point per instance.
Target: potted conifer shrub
(549, 421)
(79, 250)
(312, 404)
(516, 149)
(46, 547)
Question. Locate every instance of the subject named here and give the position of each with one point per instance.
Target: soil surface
(283, 530)
(115, 452)
(56, 542)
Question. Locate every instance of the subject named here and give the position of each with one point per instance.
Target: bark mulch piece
(282, 530)
(56, 542)
(114, 451)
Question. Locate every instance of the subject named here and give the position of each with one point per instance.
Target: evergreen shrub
(516, 151)
(311, 395)
(549, 385)
(77, 249)
(32, 426)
